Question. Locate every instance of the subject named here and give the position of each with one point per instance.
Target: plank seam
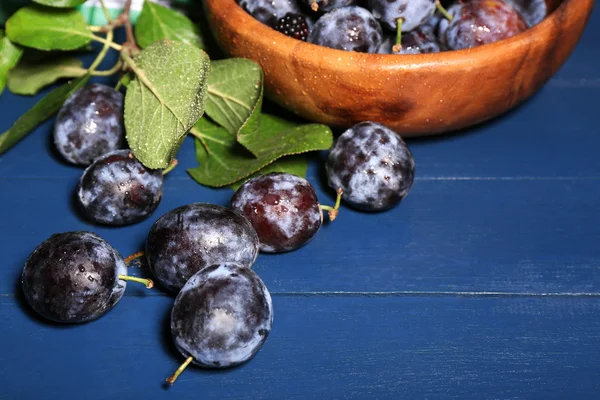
(422, 178)
(399, 294)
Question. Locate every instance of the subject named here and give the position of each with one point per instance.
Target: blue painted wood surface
(484, 283)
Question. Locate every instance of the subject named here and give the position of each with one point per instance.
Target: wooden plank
(582, 69)
(509, 236)
(321, 348)
(540, 139)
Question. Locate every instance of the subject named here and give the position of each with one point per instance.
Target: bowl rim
(265, 33)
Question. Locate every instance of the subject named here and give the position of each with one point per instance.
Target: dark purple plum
(328, 5)
(434, 21)
(480, 22)
(74, 277)
(348, 28)
(283, 209)
(221, 317)
(294, 26)
(411, 13)
(118, 190)
(269, 11)
(420, 41)
(532, 11)
(90, 124)
(437, 16)
(192, 237)
(372, 165)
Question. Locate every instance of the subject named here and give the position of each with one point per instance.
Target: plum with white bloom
(90, 124)
(117, 189)
(192, 237)
(373, 166)
(221, 317)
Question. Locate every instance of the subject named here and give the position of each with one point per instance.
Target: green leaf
(47, 28)
(30, 78)
(60, 3)
(235, 93)
(297, 165)
(280, 136)
(41, 111)
(165, 99)
(157, 22)
(223, 161)
(9, 57)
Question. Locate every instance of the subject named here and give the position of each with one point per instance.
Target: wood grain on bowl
(414, 94)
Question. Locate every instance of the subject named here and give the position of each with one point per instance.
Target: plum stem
(183, 366)
(111, 71)
(106, 12)
(443, 11)
(125, 19)
(134, 256)
(121, 82)
(148, 282)
(108, 43)
(170, 168)
(397, 48)
(333, 211)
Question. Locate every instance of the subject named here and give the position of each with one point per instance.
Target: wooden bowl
(413, 94)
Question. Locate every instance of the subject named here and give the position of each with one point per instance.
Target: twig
(125, 19)
(106, 13)
(108, 43)
(118, 66)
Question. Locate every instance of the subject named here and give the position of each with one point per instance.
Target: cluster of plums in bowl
(201, 253)
(473, 77)
(398, 26)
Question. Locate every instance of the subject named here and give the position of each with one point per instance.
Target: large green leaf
(235, 92)
(157, 22)
(164, 100)
(29, 78)
(41, 111)
(60, 3)
(223, 161)
(46, 28)
(9, 57)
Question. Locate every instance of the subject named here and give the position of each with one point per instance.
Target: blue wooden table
(484, 283)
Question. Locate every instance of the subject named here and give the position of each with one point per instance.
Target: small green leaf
(60, 3)
(29, 78)
(235, 92)
(41, 111)
(9, 57)
(46, 28)
(157, 22)
(223, 161)
(280, 136)
(165, 99)
(297, 165)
